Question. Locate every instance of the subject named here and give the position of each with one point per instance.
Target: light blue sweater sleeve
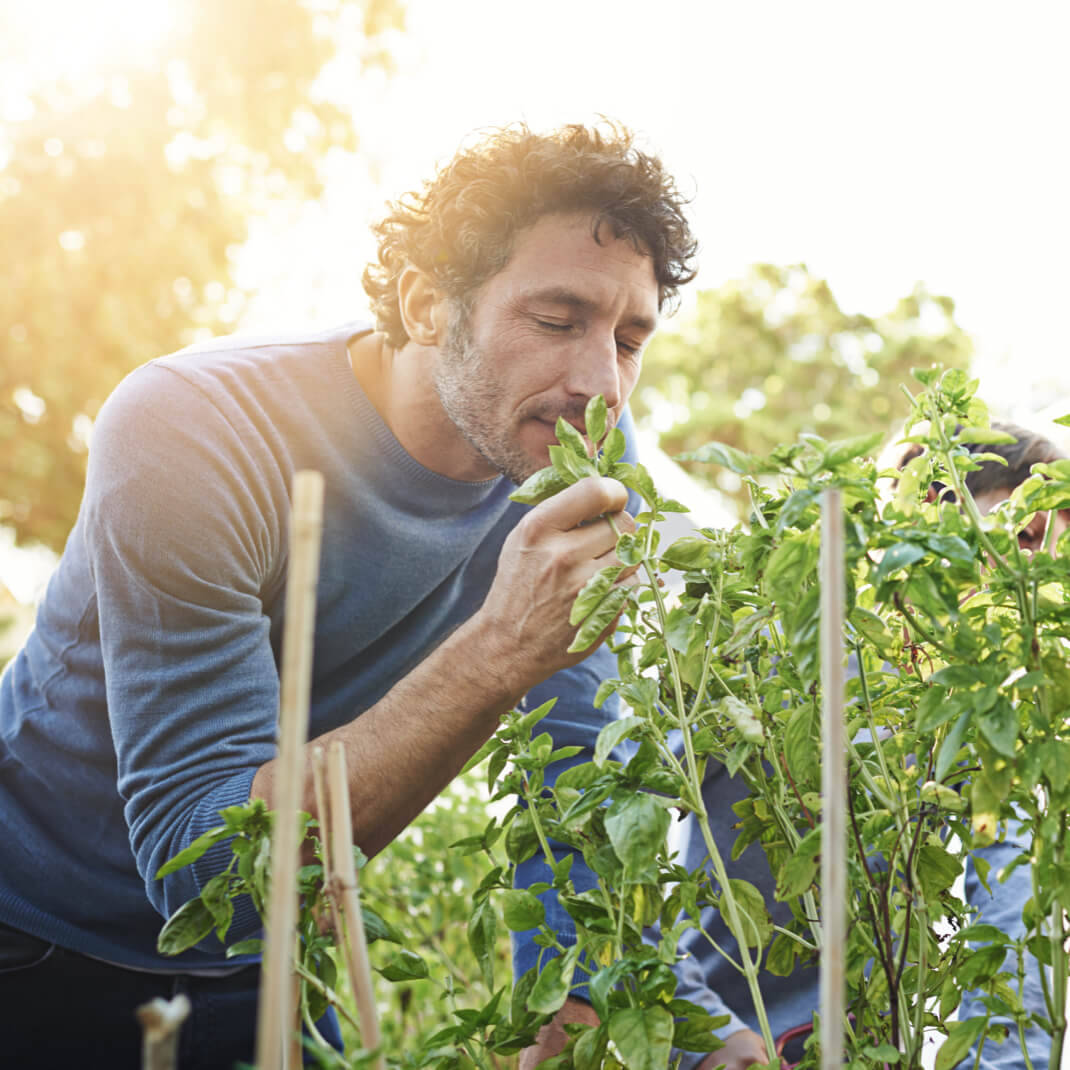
(179, 565)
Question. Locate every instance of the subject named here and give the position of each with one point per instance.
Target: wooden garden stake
(160, 1021)
(345, 891)
(277, 1015)
(833, 784)
(319, 784)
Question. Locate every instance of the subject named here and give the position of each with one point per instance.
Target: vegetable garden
(954, 725)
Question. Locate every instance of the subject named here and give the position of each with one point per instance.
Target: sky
(881, 144)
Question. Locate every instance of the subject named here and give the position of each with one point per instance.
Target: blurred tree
(122, 191)
(771, 355)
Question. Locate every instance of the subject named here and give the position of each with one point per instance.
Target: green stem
(1059, 966)
(328, 993)
(732, 913)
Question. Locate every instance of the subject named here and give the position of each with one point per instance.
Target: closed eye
(551, 326)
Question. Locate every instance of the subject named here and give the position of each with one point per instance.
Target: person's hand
(544, 562)
(552, 1037)
(741, 1049)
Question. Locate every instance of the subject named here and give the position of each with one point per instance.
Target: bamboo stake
(319, 784)
(160, 1021)
(277, 1016)
(833, 784)
(348, 898)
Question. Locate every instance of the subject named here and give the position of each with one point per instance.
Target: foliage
(957, 724)
(770, 356)
(120, 199)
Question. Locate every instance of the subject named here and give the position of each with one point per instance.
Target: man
(524, 280)
(707, 978)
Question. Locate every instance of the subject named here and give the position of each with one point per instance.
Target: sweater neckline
(408, 482)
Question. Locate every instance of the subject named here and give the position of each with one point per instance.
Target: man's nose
(597, 371)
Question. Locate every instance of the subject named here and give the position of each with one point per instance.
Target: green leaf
(744, 719)
(896, 557)
(800, 870)
(691, 552)
(552, 987)
(937, 870)
(780, 958)
(215, 898)
(984, 436)
(729, 457)
(590, 1049)
(883, 1053)
(482, 933)
(637, 826)
(1063, 421)
(600, 619)
(696, 1031)
(958, 675)
(571, 467)
(194, 851)
(522, 910)
(190, 924)
(406, 965)
(643, 1036)
(848, 449)
(629, 549)
(936, 708)
(612, 450)
(594, 419)
(611, 735)
(757, 924)
(592, 593)
(521, 841)
(377, 928)
(789, 564)
(961, 1036)
(543, 484)
(999, 725)
(571, 439)
(602, 984)
(802, 745)
(254, 946)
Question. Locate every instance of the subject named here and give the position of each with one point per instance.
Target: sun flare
(70, 39)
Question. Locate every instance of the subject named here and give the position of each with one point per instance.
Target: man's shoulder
(255, 347)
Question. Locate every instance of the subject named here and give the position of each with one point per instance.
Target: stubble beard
(472, 398)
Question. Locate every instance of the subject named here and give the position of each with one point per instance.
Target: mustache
(573, 413)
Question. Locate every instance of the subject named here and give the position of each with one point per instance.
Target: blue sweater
(147, 695)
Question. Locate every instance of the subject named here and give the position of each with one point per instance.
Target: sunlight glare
(70, 39)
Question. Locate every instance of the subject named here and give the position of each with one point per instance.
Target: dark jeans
(59, 1009)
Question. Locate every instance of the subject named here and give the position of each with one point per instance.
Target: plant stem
(732, 913)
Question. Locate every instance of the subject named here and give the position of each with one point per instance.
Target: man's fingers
(583, 501)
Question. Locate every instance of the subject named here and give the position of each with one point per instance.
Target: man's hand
(544, 562)
(552, 1037)
(743, 1048)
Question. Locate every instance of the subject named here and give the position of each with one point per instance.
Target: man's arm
(405, 749)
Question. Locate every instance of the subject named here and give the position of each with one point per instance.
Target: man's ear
(420, 306)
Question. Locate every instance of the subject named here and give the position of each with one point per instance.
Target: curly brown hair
(460, 228)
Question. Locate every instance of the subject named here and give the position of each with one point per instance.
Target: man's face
(566, 319)
(1031, 537)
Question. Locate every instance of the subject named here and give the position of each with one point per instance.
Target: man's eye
(627, 347)
(551, 326)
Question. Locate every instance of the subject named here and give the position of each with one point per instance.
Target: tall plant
(957, 726)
